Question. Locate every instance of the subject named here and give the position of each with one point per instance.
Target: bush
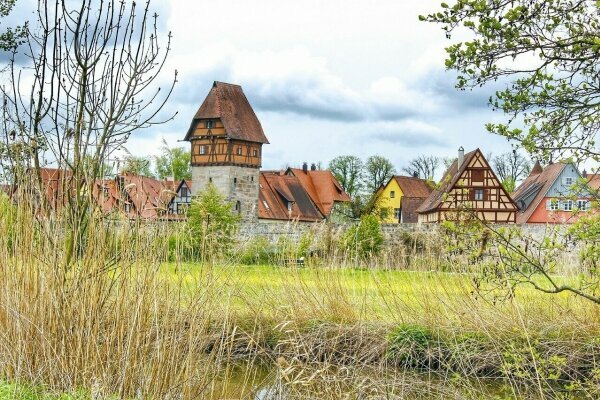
(411, 346)
(365, 238)
(257, 251)
(212, 224)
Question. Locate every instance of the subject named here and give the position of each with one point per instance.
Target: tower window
(238, 207)
(209, 124)
(255, 153)
(210, 179)
(234, 181)
(239, 150)
(202, 150)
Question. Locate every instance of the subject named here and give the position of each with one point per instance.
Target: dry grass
(120, 322)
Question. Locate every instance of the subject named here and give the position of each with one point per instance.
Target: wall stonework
(392, 233)
(234, 182)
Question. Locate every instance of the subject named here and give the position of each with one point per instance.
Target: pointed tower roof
(228, 103)
(537, 169)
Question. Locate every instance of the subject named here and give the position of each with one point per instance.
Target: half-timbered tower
(226, 147)
(469, 188)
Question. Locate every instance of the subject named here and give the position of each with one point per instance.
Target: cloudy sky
(325, 78)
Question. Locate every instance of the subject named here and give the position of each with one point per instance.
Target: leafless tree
(91, 80)
(511, 166)
(423, 167)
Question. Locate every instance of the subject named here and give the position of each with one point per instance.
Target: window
(397, 214)
(392, 194)
(289, 204)
(202, 150)
(238, 207)
(239, 150)
(569, 180)
(479, 194)
(477, 175)
(582, 205)
(105, 192)
(251, 179)
(567, 205)
(234, 181)
(209, 124)
(127, 207)
(265, 204)
(184, 192)
(255, 153)
(552, 205)
(210, 179)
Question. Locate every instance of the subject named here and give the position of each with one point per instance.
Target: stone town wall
(274, 230)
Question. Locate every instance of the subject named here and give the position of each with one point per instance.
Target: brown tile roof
(57, 185)
(450, 178)
(537, 182)
(322, 187)
(229, 103)
(276, 190)
(413, 187)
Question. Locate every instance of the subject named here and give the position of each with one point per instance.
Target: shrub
(257, 251)
(365, 238)
(212, 224)
(411, 346)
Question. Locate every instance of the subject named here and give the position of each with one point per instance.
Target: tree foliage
(348, 170)
(136, 165)
(10, 37)
(173, 162)
(547, 52)
(378, 171)
(423, 166)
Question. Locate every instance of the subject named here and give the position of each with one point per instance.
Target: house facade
(469, 188)
(182, 198)
(401, 197)
(552, 195)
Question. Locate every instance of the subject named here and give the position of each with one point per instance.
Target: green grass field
(389, 296)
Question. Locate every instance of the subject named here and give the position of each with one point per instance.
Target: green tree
(174, 162)
(348, 170)
(212, 223)
(10, 38)
(378, 171)
(136, 165)
(546, 51)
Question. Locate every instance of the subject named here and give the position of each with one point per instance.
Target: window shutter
(472, 194)
(486, 195)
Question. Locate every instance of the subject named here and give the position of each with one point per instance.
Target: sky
(325, 78)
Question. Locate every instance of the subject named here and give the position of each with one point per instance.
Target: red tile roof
(322, 187)
(229, 103)
(276, 190)
(537, 182)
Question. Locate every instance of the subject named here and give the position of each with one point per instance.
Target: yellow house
(401, 196)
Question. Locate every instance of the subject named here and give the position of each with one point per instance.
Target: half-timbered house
(469, 189)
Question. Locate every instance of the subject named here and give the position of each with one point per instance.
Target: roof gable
(322, 187)
(413, 187)
(229, 103)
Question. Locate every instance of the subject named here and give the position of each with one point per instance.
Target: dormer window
(289, 204)
(209, 124)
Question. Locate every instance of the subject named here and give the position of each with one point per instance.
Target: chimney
(313, 167)
(305, 167)
(415, 174)
(461, 156)
(584, 174)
